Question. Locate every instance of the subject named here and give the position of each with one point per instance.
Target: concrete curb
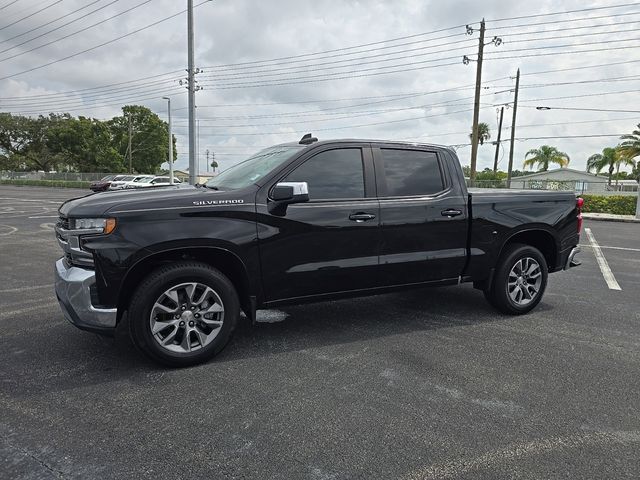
(604, 217)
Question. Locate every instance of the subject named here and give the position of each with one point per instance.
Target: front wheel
(183, 314)
(519, 281)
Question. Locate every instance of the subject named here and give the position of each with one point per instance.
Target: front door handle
(361, 217)
(451, 212)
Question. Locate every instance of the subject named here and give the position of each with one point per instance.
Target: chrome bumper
(74, 296)
(571, 261)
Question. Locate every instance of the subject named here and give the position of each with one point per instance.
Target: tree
(29, 143)
(544, 156)
(214, 165)
(631, 145)
(612, 158)
(149, 138)
(483, 133)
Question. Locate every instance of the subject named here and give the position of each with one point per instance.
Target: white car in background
(135, 183)
(156, 182)
(119, 182)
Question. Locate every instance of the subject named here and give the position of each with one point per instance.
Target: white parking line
(627, 249)
(612, 283)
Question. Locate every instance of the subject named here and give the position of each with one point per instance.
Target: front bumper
(73, 290)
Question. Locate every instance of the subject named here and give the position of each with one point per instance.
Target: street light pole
(170, 140)
(192, 94)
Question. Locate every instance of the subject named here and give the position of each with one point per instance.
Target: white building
(570, 179)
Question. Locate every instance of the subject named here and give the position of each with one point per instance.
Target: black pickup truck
(301, 222)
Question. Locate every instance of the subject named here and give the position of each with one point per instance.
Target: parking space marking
(627, 249)
(489, 461)
(22, 289)
(612, 283)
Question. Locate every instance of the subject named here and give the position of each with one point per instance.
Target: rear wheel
(519, 281)
(183, 314)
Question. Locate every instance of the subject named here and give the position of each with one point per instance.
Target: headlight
(107, 225)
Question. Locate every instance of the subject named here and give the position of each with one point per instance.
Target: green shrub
(615, 204)
(46, 183)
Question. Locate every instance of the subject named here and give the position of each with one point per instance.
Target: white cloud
(244, 31)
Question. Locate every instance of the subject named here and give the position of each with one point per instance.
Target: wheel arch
(539, 238)
(222, 259)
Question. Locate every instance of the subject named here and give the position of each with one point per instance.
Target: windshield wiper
(212, 187)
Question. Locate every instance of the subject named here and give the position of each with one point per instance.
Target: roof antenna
(307, 139)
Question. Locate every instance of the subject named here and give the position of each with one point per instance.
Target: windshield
(254, 168)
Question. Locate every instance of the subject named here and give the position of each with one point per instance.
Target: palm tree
(610, 157)
(545, 155)
(483, 133)
(631, 145)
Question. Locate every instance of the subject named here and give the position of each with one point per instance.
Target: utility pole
(495, 160)
(170, 141)
(129, 145)
(207, 154)
(193, 173)
(476, 108)
(513, 129)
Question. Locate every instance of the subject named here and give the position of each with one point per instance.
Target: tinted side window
(411, 172)
(332, 174)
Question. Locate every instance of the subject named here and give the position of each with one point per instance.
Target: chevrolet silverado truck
(301, 222)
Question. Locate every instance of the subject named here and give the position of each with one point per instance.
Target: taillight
(579, 204)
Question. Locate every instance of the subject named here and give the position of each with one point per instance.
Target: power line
(73, 33)
(554, 22)
(129, 101)
(305, 68)
(133, 32)
(601, 120)
(565, 29)
(71, 92)
(586, 109)
(584, 95)
(53, 29)
(316, 78)
(566, 12)
(232, 67)
(582, 67)
(568, 52)
(8, 4)
(340, 128)
(337, 49)
(49, 23)
(559, 37)
(30, 15)
(98, 96)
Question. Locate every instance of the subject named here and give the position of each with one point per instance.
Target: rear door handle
(451, 212)
(361, 217)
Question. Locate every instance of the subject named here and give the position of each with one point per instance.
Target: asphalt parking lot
(426, 384)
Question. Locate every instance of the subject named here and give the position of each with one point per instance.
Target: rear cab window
(410, 173)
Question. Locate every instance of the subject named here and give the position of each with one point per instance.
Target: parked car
(302, 222)
(120, 182)
(102, 184)
(136, 182)
(157, 182)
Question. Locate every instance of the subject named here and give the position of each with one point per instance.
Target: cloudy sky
(274, 70)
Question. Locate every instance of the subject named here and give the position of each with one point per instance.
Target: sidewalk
(609, 217)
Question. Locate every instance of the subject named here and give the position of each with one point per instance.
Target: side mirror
(286, 193)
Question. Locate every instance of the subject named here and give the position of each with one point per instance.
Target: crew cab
(302, 222)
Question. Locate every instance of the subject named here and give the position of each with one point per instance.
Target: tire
(183, 314)
(519, 281)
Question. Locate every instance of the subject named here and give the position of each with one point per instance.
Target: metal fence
(67, 176)
(622, 187)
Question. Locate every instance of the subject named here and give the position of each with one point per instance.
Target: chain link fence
(621, 187)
